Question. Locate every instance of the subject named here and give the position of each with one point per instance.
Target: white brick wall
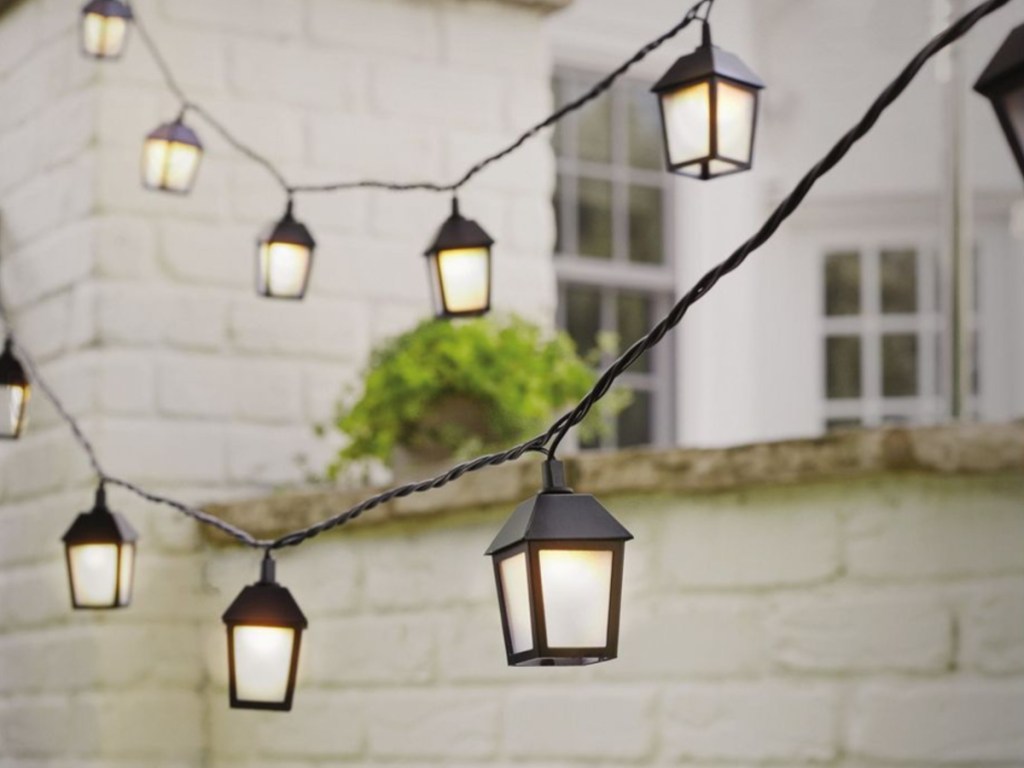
(804, 627)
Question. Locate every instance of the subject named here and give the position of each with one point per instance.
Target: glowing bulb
(576, 586)
(465, 276)
(263, 658)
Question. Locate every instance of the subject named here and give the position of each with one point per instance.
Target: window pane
(634, 423)
(842, 283)
(899, 365)
(842, 366)
(595, 130)
(840, 425)
(645, 143)
(634, 320)
(595, 218)
(899, 282)
(583, 316)
(645, 225)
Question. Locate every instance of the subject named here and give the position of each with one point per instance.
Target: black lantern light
(105, 28)
(170, 157)
(558, 569)
(459, 266)
(708, 112)
(284, 258)
(14, 393)
(100, 549)
(264, 634)
(1002, 82)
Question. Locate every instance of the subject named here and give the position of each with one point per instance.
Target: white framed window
(614, 249)
(885, 335)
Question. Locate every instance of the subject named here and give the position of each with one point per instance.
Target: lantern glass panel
(576, 589)
(687, 114)
(11, 415)
(465, 282)
(127, 570)
(734, 110)
(1014, 105)
(104, 36)
(94, 572)
(169, 165)
(263, 662)
(515, 587)
(283, 269)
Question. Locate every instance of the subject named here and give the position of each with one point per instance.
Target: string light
(558, 570)
(170, 157)
(459, 267)
(284, 258)
(1002, 82)
(14, 393)
(264, 627)
(104, 28)
(263, 670)
(100, 553)
(708, 112)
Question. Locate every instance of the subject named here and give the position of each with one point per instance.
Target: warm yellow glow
(169, 165)
(15, 398)
(576, 586)
(464, 279)
(687, 122)
(103, 36)
(283, 269)
(94, 574)
(263, 657)
(735, 122)
(124, 594)
(516, 590)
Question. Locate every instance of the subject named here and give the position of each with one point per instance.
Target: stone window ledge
(948, 450)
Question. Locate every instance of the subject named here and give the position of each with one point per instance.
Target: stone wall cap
(946, 450)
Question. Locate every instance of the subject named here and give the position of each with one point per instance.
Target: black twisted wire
(565, 422)
(705, 284)
(423, 186)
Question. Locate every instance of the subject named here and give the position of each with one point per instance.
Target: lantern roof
(109, 8)
(706, 61)
(459, 232)
(559, 516)
(100, 526)
(291, 231)
(11, 372)
(265, 604)
(176, 132)
(1008, 61)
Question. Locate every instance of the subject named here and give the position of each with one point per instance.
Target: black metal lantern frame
(265, 604)
(174, 132)
(107, 9)
(557, 520)
(14, 380)
(1002, 82)
(290, 232)
(717, 68)
(457, 233)
(102, 527)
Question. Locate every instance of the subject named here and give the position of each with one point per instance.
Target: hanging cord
(424, 186)
(558, 430)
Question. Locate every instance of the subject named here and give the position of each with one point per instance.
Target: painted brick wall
(872, 623)
(141, 307)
